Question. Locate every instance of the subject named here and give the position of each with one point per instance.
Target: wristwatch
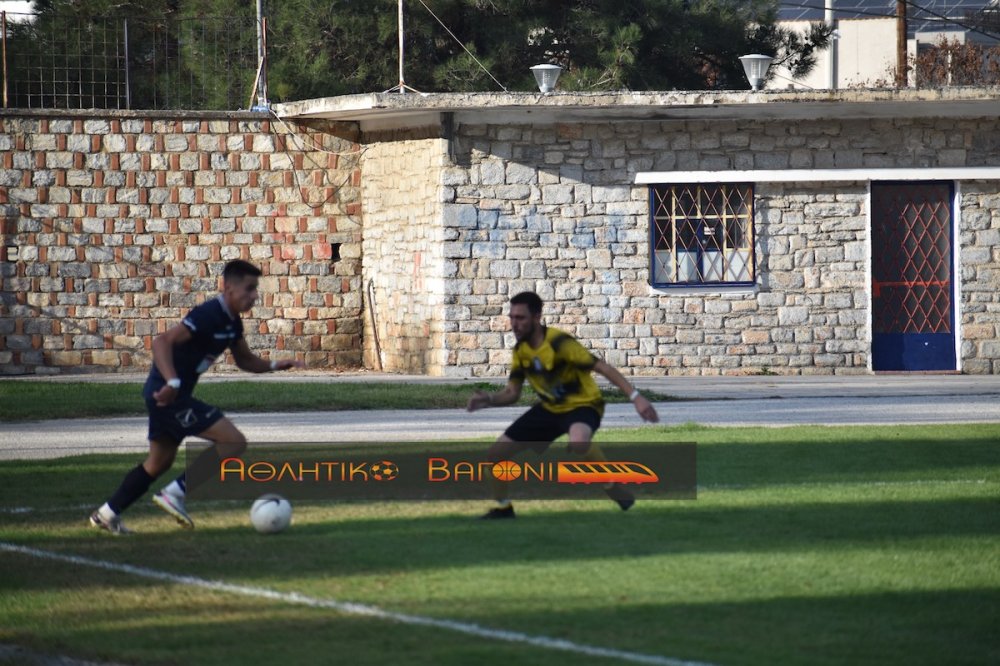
(174, 383)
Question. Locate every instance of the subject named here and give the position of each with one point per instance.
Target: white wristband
(635, 394)
(274, 366)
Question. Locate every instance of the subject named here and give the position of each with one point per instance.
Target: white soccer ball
(271, 514)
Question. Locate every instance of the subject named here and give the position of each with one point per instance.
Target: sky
(16, 7)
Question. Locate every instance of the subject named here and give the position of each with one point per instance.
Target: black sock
(134, 485)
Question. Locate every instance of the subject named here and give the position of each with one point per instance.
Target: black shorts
(542, 426)
(182, 418)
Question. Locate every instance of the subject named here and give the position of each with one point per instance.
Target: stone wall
(980, 274)
(553, 208)
(404, 252)
(115, 224)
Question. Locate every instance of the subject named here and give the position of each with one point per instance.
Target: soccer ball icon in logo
(384, 470)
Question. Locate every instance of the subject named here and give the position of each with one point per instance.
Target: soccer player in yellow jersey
(560, 370)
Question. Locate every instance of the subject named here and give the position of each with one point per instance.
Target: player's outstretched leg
(228, 441)
(592, 452)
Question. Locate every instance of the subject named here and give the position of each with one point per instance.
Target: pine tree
(202, 53)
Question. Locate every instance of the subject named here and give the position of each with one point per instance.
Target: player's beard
(528, 333)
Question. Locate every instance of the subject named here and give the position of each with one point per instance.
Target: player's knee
(500, 449)
(579, 447)
(233, 446)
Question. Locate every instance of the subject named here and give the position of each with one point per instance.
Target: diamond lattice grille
(911, 270)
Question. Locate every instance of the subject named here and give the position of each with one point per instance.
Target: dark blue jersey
(213, 330)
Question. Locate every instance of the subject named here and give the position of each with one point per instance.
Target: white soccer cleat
(174, 505)
(113, 526)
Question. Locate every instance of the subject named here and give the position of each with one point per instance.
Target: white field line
(849, 484)
(18, 510)
(349, 608)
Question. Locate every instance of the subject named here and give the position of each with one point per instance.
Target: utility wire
(836, 10)
(857, 11)
(795, 81)
(481, 66)
(949, 20)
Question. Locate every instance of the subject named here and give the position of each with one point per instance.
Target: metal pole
(128, 73)
(831, 80)
(263, 69)
(402, 84)
(4, 28)
(261, 55)
(901, 65)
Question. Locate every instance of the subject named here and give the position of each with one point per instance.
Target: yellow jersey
(560, 372)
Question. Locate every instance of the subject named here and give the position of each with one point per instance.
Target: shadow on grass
(184, 626)
(181, 626)
(323, 542)
(893, 627)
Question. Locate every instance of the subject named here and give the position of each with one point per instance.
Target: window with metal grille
(701, 235)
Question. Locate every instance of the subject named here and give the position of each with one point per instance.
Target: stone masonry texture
(553, 208)
(403, 253)
(115, 224)
(399, 249)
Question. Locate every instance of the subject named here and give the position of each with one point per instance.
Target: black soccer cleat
(498, 513)
(625, 504)
(621, 495)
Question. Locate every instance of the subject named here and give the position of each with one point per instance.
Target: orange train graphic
(604, 472)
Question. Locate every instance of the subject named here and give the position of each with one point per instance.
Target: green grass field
(806, 545)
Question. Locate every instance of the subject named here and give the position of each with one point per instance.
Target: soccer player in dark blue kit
(180, 356)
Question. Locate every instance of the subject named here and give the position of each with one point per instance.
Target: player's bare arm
(163, 357)
(508, 396)
(643, 406)
(248, 361)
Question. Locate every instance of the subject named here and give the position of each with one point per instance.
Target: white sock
(106, 512)
(503, 504)
(173, 488)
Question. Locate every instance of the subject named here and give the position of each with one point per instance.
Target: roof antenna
(402, 87)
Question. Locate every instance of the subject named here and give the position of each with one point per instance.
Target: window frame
(715, 190)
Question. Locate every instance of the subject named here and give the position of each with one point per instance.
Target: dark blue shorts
(184, 417)
(542, 426)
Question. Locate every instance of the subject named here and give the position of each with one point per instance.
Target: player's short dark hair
(529, 298)
(239, 269)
